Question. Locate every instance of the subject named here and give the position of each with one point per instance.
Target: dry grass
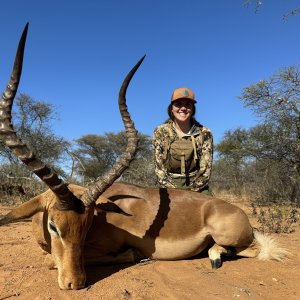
(270, 217)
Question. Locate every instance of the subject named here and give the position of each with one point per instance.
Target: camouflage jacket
(166, 134)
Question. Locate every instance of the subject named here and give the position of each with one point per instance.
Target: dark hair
(171, 117)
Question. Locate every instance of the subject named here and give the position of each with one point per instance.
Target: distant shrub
(276, 218)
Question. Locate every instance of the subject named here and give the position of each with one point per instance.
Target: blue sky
(78, 53)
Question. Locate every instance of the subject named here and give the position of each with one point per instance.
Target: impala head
(69, 209)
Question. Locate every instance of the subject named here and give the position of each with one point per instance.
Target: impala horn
(65, 199)
(95, 190)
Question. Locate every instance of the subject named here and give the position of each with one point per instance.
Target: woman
(183, 148)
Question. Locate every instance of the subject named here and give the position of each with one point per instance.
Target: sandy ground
(24, 275)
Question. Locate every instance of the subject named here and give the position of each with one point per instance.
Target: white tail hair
(269, 248)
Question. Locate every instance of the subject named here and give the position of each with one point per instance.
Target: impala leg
(249, 251)
(214, 254)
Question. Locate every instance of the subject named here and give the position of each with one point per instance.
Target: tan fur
(156, 223)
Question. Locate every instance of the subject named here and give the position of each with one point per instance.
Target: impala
(117, 222)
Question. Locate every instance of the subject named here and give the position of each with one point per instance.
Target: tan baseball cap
(183, 93)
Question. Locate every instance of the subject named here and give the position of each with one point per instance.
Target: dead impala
(103, 222)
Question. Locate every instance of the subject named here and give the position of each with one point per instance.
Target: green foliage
(232, 145)
(277, 102)
(33, 125)
(261, 166)
(98, 153)
(277, 98)
(95, 156)
(264, 161)
(32, 122)
(92, 156)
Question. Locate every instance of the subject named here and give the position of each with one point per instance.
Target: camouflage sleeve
(205, 161)
(160, 170)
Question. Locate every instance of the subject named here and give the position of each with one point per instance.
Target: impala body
(161, 224)
(115, 222)
(129, 222)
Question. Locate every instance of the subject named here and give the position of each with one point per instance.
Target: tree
(265, 160)
(256, 163)
(32, 122)
(259, 3)
(231, 155)
(97, 154)
(277, 102)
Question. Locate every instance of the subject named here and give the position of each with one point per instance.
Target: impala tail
(269, 248)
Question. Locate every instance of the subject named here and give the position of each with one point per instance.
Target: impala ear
(25, 210)
(109, 206)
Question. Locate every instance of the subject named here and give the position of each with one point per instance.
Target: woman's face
(182, 109)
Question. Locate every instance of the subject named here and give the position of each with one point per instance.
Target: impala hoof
(216, 263)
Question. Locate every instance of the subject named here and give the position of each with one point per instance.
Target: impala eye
(53, 228)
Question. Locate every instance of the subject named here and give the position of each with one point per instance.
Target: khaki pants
(187, 183)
